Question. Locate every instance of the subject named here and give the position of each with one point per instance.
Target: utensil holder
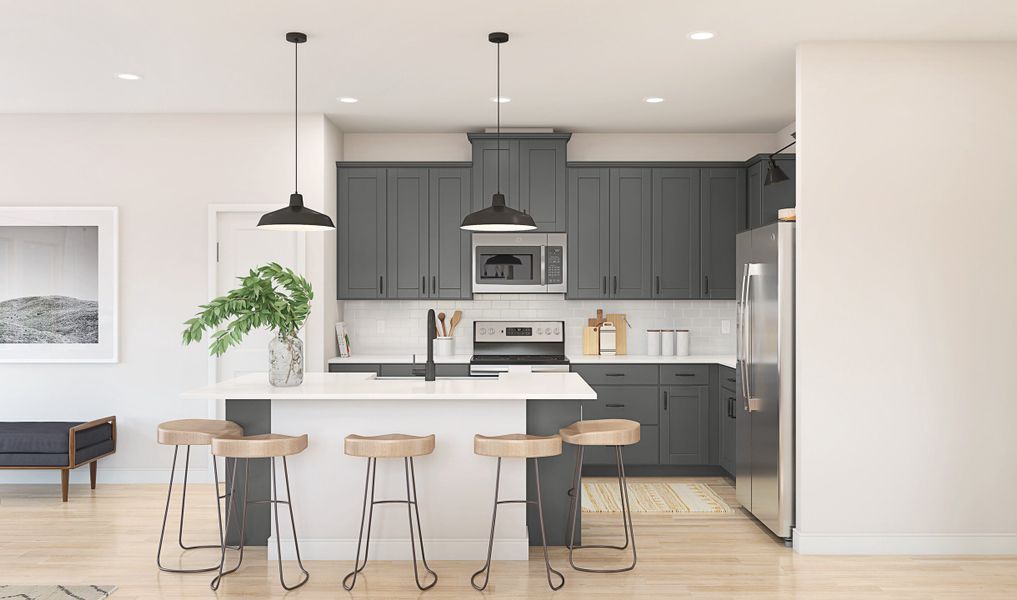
(682, 338)
(444, 346)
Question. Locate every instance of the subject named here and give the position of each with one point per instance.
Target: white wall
(906, 323)
(162, 171)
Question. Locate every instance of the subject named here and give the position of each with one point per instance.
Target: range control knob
(557, 331)
(540, 331)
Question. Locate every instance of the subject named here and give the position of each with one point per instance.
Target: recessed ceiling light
(501, 100)
(128, 76)
(701, 35)
(653, 100)
(348, 100)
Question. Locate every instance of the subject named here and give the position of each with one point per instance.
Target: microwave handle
(543, 265)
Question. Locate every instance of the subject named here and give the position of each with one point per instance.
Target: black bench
(57, 445)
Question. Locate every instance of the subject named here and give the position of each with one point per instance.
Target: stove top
(519, 359)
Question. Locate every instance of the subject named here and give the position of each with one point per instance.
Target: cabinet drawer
(353, 368)
(634, 402)
(617, 374)
(727, 378)
(646, 452)
(685, 374)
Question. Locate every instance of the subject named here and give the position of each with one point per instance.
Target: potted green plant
(270, 296)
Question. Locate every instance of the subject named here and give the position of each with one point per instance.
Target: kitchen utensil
(621, 325)
(653, 342)
(608, 339)
(667, 342)
(591, 340)
(682, 337)
(444, 346)
(456, 317)
(441, 319)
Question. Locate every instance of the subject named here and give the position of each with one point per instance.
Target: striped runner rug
(56, 592)
(604, 497)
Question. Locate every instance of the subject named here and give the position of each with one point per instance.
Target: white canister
(653, 342)
(682, 337)
(444, 346)
(667, 342)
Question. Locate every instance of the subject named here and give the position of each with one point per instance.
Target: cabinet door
(778, 195)
(754, 194)
(450, 246)
(589, 249)
(542, 182)
(361, 260)
(630, 219)
(487, 154)
(407, 233)
(722, 192)
(685, 421)
(676, 233)
(727, 414)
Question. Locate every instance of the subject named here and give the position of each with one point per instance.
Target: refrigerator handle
(750, 270)
(741, 329)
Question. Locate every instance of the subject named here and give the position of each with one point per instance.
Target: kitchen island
(455, 486)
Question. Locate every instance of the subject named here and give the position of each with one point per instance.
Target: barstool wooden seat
(517, 445)
(392, 445)
(191, 432)
(616, 433)
(270, 446)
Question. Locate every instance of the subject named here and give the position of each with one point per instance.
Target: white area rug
(654, 498)
(56, 592)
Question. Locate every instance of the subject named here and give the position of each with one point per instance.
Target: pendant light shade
(774, 174)
(296, 216)
(498, 216)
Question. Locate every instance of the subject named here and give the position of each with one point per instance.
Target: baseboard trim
(104, 475)
(905, 543)
(399, 549)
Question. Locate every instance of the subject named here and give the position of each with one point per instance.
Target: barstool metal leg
(410, 511)
(278, 536)
(630, 535)
(183, 500)
(543, 536)
(372, 465)
(490, 543)
(243, 523)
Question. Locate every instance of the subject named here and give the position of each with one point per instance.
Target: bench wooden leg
(65, 476)
(92, 466)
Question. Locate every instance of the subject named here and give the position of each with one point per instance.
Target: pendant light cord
(497, 100)
(296, 146)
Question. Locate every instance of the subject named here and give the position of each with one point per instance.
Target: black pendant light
(498, 217)
(774, 174)
(296, 216)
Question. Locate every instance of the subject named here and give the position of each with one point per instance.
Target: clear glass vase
(286, 361)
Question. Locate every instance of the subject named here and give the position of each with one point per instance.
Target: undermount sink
(421, 378)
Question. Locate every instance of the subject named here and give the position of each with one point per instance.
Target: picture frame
(59, 292)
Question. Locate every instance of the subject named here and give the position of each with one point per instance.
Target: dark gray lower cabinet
(546, 417)
(727, 434)
(685, 424)
(636, 403)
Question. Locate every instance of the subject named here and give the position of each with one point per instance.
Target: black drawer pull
(614, 374)
(731, 379)
(684, 374)
(615, 405)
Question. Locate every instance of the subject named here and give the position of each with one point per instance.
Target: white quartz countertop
(728, 360)
(365, 386)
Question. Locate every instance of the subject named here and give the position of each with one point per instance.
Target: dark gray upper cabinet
(533, 176)
(408, 243)
(589, 241)
(723, 192)
(450, 246)
(630, 220)
(685, 424)
(361, 242)
(765, 200)
(675, 233)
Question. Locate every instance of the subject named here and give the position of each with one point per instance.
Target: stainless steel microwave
(521, 263)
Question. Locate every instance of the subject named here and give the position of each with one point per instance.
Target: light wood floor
(109, 537)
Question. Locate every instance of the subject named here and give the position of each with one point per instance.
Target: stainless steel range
(498, 345)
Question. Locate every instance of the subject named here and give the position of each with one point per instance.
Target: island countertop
(367, 386)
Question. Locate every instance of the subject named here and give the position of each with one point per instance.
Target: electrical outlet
(725, 326)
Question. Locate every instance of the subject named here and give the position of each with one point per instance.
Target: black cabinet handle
(731, 379)
(658, 285)
(423, 284)
(706, 283)
(604, 284)
(615, 405)
(730, 407)
(434, 284)
(615, 284)
(665, 399)
(381, 284)
(614, 374)
(684, 374)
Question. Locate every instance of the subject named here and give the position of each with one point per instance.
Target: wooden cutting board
(591, 340)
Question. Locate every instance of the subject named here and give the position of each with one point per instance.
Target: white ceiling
(579, 65)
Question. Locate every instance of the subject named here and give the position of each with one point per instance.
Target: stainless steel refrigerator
(766, 382)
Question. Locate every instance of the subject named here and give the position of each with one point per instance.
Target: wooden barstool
(517, 445)
(393, 445)
(271, 446)
(191, 432)
(602, 432)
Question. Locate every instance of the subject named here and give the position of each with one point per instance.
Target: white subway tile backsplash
(386, 326)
